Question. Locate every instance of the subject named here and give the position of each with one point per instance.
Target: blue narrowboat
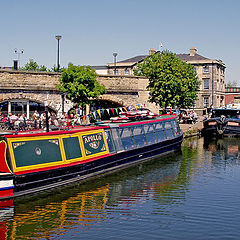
(33, 162)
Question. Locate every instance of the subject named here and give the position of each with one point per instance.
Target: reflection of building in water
(48, 214)
(82, 209)
(223, 150)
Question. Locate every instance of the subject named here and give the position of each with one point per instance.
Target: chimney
(151, 51)
(193, 51)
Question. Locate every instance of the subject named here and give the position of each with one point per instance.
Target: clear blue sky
(92, 30)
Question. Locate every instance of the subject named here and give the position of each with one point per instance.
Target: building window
(126, 72)
(205, 102)
(194, 104)
(206, 69)
(206, 83)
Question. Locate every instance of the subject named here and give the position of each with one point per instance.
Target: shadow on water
(86, 204)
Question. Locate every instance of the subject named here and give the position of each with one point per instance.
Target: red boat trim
(6, 193)
(6, 203)
(61, 166)
(141, 123)
(82, 129)
(3, 166)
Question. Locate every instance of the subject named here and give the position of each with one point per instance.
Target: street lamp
(115, 58)
(46, 115)
(58, 37)
(17, 62)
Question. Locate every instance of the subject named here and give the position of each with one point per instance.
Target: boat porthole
(38, 151)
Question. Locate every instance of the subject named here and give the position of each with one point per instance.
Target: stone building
(211, 73)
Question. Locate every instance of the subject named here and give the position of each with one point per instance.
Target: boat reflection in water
(224, 151)
(228, 147)
(84, 206)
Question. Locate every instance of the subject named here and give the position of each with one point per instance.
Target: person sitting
(22, 122)
(195, 117)
(12, 118)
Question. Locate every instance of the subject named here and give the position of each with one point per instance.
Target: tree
(231, 84)
(172, 82)
(55, 69)
(33, 66)
(80, 84)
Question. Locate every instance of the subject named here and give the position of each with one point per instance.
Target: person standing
(79, 114)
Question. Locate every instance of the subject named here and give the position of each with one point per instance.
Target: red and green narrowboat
(33, 162)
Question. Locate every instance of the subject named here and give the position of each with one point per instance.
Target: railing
(30, 125)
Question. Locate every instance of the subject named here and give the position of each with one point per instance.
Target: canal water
(189, 195)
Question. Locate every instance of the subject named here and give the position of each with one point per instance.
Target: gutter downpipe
(212, 88)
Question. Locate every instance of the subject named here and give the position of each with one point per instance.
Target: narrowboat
(31, 162)
(222, 122)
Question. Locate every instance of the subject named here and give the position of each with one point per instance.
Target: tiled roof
(99, 67)
(183, 57)
(134, 59)
(187, 57)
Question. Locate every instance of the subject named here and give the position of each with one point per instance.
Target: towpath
(192, 129)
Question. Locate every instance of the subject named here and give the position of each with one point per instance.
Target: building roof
(104, 67)
(183, 57)
(187, 57)
(134, 59)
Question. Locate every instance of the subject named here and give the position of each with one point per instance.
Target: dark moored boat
(32, 162)
(222, 122)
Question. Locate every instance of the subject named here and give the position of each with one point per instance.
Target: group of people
(11, 121)
(14, 121)
(188, 117)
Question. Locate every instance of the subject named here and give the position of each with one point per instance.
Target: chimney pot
(193, 51)
(151, 51)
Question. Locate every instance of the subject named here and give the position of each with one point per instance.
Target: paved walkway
(192, 129)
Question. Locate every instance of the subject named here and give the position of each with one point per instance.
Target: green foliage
(42, 68)
(80, 84)
(172, 82)
(54, 69)
(33, 66)
(231, 84)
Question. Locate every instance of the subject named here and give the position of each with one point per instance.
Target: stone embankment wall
(42, 86)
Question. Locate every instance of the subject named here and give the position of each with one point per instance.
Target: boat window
(34, 152)
(72, 148)
(159, 126)
(160, 132)
(127, 138)
(168, 129)
(116, 139)
(110, 142)
(139, 136)
(150, 134)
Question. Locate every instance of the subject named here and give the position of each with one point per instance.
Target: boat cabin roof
(83, 128)
(227, 112)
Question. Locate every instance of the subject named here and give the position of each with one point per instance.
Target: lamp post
(17, 62)
(115, 58)
(46, 115)
(58, 37)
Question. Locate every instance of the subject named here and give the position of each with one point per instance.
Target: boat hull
(40, 181)
(212, 128)
(31, 163)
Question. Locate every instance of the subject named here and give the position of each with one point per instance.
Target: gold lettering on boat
(55, 141)
(15, 145)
